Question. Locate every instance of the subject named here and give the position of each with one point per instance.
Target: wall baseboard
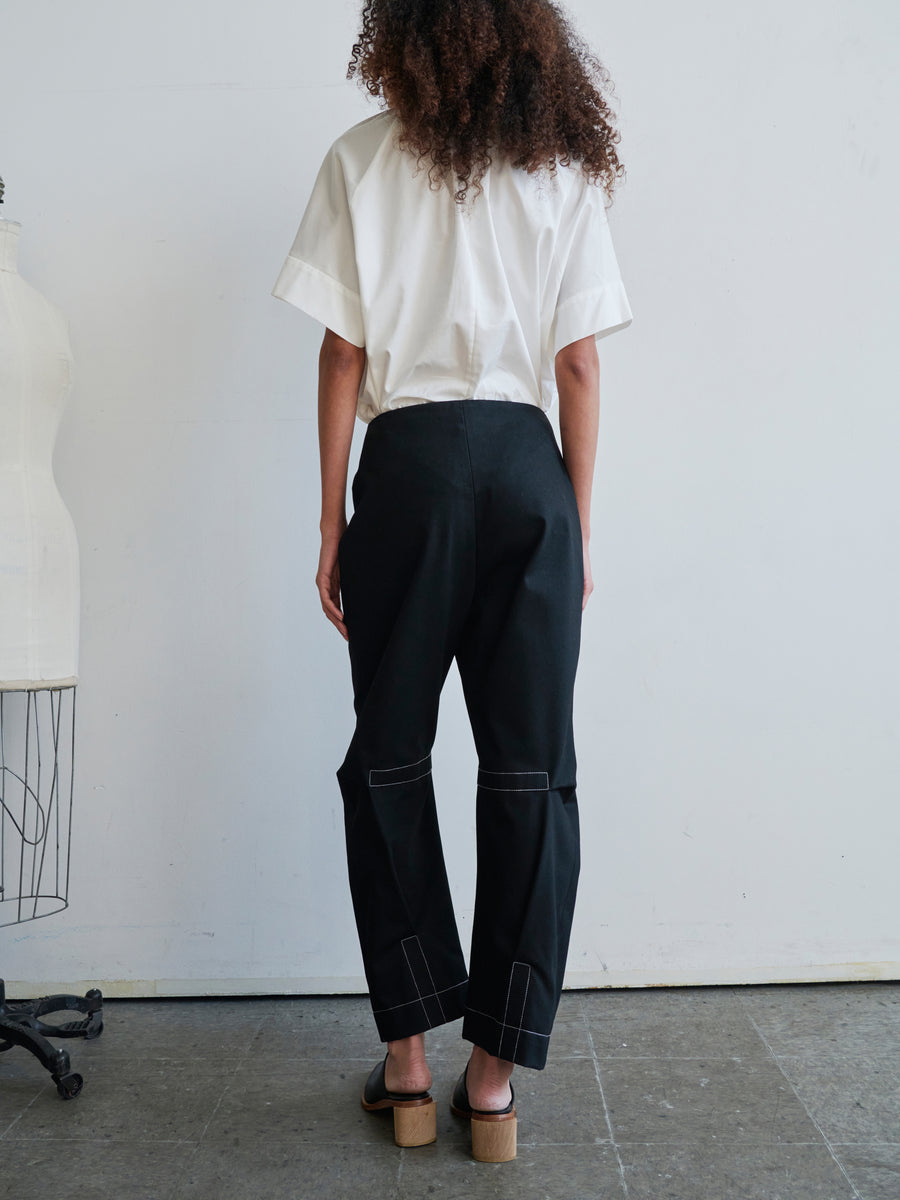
(121, 989)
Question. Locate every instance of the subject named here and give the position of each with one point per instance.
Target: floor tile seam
(535, 1143)
(704, 1143)
(761, 1054)
(124, 1140)
(871, 1142)
(714, 1018)
(367, 1058)
(364, 1064)
(222, 1094)
(612, 1138)
(361, 1064)
(247, 1045)
(178, 1192)
(105, 1141)
(198, 1066)
(655, 998)
(41, 1088)
(4, 1132)
(880, 1056)
(815, 1123)
(376, 1055)
(445, 1139)
(187, 1064)
(592, 1144)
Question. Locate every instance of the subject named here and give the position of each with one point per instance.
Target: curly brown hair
(468, 77)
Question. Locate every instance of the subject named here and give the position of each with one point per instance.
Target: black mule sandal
(493, 1129)
(415, 1120)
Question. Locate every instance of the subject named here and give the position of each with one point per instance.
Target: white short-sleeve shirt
(451, 303)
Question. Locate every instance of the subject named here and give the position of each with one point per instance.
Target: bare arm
(578, 381)
(341, 366)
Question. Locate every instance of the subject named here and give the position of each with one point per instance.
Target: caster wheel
(69, 1086)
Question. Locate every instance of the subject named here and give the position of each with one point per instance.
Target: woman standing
(456, 248)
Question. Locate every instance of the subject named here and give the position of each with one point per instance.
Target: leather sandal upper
(376, 1090)
(461, 1098)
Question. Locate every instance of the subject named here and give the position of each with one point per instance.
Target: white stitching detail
(415, 981)
(485, 771)
(533, 1032)
(491, 788)
(398, 782)
(524, 999)
(430, 976)
(506, 1010)
(403, 766)
(393, 770)
(428, 997)
(487, 787)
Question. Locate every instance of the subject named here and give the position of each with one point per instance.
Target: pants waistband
(448, 408)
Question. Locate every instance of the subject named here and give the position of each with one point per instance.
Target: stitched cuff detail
(514, 1013)
(422, 979)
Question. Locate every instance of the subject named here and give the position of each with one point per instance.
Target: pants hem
(418, 1016)
(526, 1048)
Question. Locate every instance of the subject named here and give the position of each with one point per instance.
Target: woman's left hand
(328, 581)
(588, 578)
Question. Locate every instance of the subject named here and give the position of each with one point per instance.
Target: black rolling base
(19, 1026)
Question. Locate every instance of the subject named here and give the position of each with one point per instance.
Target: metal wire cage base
(37, 758)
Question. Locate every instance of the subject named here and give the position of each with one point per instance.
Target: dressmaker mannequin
(39, 625)
(39, 585)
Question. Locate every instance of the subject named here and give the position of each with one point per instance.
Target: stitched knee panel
(514, 781)
(403, 774)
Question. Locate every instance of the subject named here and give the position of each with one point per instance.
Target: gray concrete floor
(776, 1092)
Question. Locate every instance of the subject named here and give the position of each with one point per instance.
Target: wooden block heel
(494, 1138)
(493, 1132)
(415, 1124)
(415, 1119)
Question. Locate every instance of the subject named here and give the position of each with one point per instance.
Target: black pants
(465, 541)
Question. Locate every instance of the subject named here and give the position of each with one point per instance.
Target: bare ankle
(406, 1069)
(487, 1067)
(488, 1080)
(409, 1049)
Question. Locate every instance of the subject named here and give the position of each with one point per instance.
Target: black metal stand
(20, 1026)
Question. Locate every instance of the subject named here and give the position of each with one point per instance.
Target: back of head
(472, 79)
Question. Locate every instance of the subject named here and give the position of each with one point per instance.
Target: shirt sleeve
(319, 274)
(591, 297)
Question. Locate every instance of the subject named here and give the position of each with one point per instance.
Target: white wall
(737, 698)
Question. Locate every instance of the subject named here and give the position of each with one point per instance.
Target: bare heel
(415, 1124)
(494, 1138)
